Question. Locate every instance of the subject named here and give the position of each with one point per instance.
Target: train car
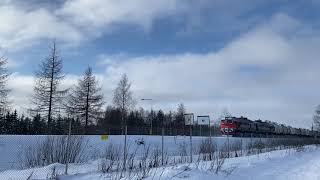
(278, 130)
(227, 126)
(304, 132)
(286, 130)
(293, 131)
(264, 127)
(237, 126)
(242, 126)
(309, 132)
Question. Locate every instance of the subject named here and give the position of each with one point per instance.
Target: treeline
(138, 122)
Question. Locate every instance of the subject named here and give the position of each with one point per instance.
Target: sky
(256, 58)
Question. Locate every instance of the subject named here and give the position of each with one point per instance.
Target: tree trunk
(87, 109)
(51, 87)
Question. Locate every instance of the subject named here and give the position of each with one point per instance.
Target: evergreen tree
(15, 122)
(2, 124)
(86, 100)
(160, 119)
(179, 118)
(24, 125)
(38, 125)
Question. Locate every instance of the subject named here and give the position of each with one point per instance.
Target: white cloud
(19, 27)
(101, 13)
(266, 73)
(75, 20)
(21, 90)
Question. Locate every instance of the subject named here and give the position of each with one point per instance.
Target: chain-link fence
(52, 155)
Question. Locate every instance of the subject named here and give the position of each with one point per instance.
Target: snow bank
(276, 165)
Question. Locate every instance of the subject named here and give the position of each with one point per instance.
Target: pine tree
(2, 124)
(38, 125)
(160, 119)
(15, 122)
(179, 118)
(86, 100)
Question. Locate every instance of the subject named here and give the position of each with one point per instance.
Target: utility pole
(162, 142)
(228, 142)
(162, 145)
(191, 143)
(210, 130)
(190, 120)
(68, 146)
(125, 147)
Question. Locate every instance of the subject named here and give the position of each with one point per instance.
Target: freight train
(242, 126)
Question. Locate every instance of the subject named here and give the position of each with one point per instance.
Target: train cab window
(229, 121)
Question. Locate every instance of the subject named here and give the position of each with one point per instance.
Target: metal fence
(166, 146)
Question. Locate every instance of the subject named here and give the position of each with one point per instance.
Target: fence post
(228, 148)
(68, 146)
(241, 145)
(190, 143)
(210, 130)
(162, 146)
(125, 147)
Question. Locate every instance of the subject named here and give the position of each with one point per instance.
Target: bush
(207, 149)
(111, 159)
(54, 149)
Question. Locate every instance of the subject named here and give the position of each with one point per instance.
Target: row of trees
(52, 106)
(138, 122)
(84, 101)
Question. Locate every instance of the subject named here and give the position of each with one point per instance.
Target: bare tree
(225, 113)
(181, 110)
(85, 99)
(4, 75)
(47, 97)
(316, 119)
(123, 99)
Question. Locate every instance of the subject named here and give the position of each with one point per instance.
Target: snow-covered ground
(277, 165)
(12, 146)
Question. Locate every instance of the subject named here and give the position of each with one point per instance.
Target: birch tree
(123, 99)
(4, 91)
(316, 118)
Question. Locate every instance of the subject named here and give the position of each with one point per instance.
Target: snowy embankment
(12, 147)
(277, 165)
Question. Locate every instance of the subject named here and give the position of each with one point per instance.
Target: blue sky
(203, 26)
(256, 58)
